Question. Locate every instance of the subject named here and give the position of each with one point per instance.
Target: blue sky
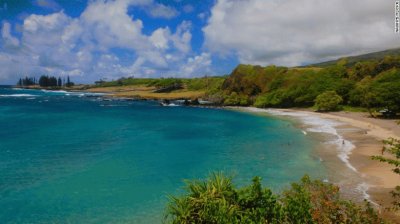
(94, 39)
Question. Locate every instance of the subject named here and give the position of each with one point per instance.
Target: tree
(52, 81)
(386, 87)
(69, 83)
(392, 146)
(46, 81)
(59, 82)
(328, 101)
(363, 95)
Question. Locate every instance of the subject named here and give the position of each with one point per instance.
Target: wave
(53, 91)
(16, 95)
(321, 125)
(73, 93)
(363, 188)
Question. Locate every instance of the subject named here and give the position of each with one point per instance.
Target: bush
(216, 200)
(328, 101)
(235, 99)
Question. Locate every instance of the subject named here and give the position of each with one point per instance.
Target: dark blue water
(71, 158)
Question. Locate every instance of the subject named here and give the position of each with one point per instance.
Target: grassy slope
(364, 57)
(145, 88)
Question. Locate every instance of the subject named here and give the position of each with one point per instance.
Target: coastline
(356, 138)
(362, 137)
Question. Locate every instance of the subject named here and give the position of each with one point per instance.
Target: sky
(90, 40)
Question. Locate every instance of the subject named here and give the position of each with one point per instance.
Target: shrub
(216, 200)
(328, 101)
(235, 99)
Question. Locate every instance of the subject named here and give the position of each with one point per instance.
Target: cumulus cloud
(9, 40)
(292, 32)
(197, 66)
(89, 46)
(49, 4)
(162, 11)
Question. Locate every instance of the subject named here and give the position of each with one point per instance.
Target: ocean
(78, 158)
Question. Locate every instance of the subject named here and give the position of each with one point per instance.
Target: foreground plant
(216, 200)
(392, 146)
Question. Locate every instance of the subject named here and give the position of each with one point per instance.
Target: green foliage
(27, 81)
(126, 82)
(216, 200)
(353, 109)
(51, 81)
(328, 101)
(235, 99)
(164, 83)
(370, 84)
(392, 146)
(251, 80)
(210, 84)
(373, 83)
(381, 92)
(273, 99)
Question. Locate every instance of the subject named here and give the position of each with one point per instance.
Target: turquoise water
(71, 158)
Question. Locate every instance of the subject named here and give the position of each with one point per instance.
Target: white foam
(363, 188)
(53, 91)
(94, 94)
(320, 125)
(73, 93)
(16, 95)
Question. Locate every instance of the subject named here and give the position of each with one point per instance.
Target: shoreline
(356, 138)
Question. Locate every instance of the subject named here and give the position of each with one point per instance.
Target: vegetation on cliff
(369, 81)
(369, 84)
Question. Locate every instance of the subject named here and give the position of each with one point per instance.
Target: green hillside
(370, 81)
(364, 57)
(372, 84)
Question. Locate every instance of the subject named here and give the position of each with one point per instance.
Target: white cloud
(159, 38)
(162, 11)
(182, 37)
(202, 15)
(89, 46)
(292, 32)
(111, 26)
(197, 66)
(49, 4)
(9, 40)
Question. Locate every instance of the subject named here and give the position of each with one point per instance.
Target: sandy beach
(357, 137)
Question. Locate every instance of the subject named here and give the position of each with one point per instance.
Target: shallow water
(67, 157)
